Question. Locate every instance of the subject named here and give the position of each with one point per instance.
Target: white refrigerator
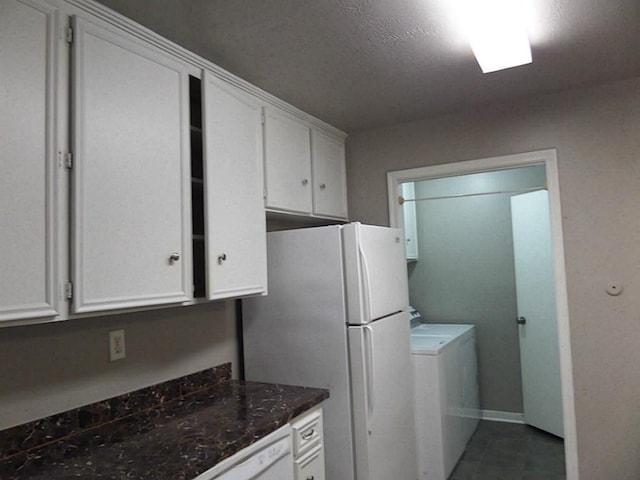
(337, 317)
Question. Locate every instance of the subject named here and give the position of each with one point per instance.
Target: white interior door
(536, 296)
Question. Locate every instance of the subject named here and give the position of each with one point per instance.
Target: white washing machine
(447, 404)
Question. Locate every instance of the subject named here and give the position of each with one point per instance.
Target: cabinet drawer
(307, 431)
(311, 465)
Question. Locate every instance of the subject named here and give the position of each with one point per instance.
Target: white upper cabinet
(329, 176)
(27, 160)
(410, 221)
(236, 246)
(287, 163)
(112, 199)
(130, 141)
(304, 168)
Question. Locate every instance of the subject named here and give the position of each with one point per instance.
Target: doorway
(538, 164)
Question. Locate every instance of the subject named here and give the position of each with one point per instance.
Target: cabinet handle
(311, 477)
(174, 257)
(307, 436)
(305, 182)
(323, 186)
(222, 258)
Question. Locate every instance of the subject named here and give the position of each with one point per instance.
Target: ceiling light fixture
(497, 33)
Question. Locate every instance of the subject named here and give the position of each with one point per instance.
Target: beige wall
(46, 369)
(597, 136)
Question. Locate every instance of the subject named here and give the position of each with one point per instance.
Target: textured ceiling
(365, 63)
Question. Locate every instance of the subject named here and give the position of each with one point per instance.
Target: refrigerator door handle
(366, 286)
(369, 371)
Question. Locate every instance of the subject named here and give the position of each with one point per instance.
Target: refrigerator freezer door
(375, 272)
(297, 334)
(382, 389)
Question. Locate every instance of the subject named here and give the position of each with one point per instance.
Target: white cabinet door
(308, 445)
(27, 161)
(329, 176)
(235, 219)
(410, 221)
(287, 163)
(311, 465)
(130, 137)
(304, 168)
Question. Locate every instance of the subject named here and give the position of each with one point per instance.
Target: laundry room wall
(465, 272)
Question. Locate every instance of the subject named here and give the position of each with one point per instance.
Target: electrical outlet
(117, 349)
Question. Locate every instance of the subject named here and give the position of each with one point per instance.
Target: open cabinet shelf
(197, 188)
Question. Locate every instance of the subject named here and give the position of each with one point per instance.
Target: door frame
(548, 158)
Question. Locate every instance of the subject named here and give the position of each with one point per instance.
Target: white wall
(50, 368)
(597, 136)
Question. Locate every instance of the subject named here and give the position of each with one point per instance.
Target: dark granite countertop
(163, 436)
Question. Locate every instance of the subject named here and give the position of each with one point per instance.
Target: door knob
(521, 320)
(174, 257)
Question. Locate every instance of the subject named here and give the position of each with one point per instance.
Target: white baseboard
(497, 416)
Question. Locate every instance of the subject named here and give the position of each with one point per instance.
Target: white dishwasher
(270, 458)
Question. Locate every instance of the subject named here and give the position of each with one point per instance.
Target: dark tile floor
(509, 451)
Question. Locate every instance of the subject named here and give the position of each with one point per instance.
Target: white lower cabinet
(270, 458)
(308, 446)
(311, 465)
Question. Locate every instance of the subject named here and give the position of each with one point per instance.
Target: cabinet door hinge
(69, 34)
(262, 117)
(68, 290)
(68, 160)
